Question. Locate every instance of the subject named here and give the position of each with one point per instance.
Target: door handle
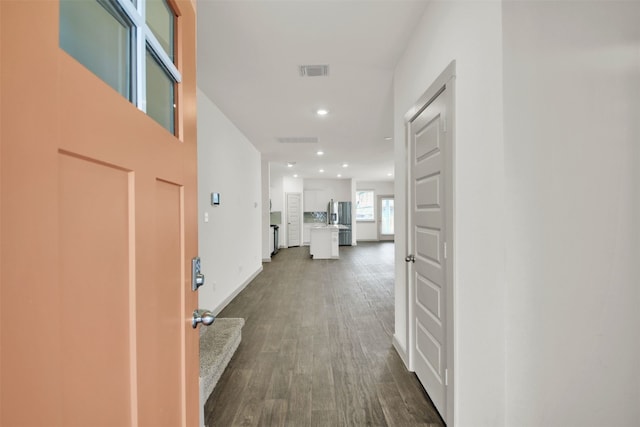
(202, 316)
(410, 258)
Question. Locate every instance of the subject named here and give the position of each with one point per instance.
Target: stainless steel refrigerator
(344, 218)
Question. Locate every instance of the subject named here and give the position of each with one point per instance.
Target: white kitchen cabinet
(309, 197)
(315, 200)
(311, 200)
(324, 242)
(306, 233)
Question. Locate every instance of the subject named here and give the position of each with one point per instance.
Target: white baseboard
(235, 293)
(266, 259)
(402, 352)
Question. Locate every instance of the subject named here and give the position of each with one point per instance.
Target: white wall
(470, 33)
(572, 138)
(369, 230)
(230, 244)
(266, 217)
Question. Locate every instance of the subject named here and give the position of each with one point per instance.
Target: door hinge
(444, 124)
(446, 377)
(445, 250)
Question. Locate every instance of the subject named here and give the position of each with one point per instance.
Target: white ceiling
(248, 58)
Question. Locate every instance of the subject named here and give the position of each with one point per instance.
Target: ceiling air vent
(298, 139)
(314, 70)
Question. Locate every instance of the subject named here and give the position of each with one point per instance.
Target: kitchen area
(314, 214)
(326, 231)
(325, 220)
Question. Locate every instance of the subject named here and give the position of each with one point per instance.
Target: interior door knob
(202, 316)
(410, 258)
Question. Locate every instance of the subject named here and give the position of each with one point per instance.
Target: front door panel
(94, 284)
(98, 226)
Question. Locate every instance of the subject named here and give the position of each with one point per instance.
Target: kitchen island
(324, 242)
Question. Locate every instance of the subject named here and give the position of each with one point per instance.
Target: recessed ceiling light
(321, 170)
(339, 175)
(295, 175)
(345, 165)
(387, 138)
(322, 112)
(320, 152)
(389, 174)
(290, 164)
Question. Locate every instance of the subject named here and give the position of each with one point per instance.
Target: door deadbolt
(197, 278)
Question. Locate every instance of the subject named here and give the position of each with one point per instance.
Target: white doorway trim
(446, 80)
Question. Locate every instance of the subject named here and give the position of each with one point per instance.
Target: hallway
(316, 347)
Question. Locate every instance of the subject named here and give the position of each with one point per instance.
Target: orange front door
(98, 227)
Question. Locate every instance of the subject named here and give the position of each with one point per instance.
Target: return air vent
(314, 70)
(298, 139)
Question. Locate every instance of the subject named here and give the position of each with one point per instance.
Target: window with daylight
(365, 205)
(386, 216)
(130, 46)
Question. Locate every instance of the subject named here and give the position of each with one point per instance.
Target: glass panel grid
(160, 19)
(114, 40)
(160, 93)
(100, 37)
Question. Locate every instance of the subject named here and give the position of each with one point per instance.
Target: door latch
(410, 258)
(197, 278)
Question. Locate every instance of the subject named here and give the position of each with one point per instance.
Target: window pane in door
(160, 19)
(160, 94)
(386, 220)
(97, 35)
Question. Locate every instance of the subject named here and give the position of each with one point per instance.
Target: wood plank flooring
(316, 347)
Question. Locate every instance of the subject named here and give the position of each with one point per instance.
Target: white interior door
(293, 219)
(385, 218)
(429, 277)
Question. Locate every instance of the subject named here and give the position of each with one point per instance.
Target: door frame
(383, 237)
(446, 80)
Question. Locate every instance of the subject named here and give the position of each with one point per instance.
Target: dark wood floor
(316, 347)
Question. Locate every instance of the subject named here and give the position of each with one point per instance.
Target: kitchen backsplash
(276, 217)
(315, 217)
